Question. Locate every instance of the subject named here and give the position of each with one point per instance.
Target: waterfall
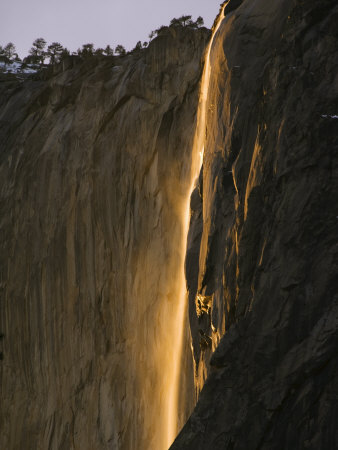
(197, 160)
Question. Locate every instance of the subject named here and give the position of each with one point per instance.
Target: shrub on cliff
(158, 31)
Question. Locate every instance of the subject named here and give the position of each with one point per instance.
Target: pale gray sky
(102, 22)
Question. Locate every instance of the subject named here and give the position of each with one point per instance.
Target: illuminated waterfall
(197, 160)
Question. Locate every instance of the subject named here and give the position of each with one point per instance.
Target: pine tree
(10, 52)
(108, 51)
(184, 20)
(199, 22)
(138, 46)
(87, 49)
(3, 57)
(65, 53)
(37, 52)
(175, 22)
(120, 50)
(54, 51)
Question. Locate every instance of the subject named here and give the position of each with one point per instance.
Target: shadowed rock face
(264, 234)
(95, 162)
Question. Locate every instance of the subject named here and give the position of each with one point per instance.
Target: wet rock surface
(95, 161)
(263, 237)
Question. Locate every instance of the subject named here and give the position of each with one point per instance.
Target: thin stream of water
(197, 160)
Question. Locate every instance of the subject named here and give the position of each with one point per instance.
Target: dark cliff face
(94, 163)
(264, 294)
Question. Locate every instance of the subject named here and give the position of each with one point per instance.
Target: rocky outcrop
(95, 161)
(263, 256)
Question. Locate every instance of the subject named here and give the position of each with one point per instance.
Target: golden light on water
(180, 317)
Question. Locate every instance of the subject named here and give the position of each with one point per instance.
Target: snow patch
(18, 68)
(328, 116)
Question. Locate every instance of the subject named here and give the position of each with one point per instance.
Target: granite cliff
(95, 164)
(262, 261)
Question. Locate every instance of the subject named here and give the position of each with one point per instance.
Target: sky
(101, 22)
